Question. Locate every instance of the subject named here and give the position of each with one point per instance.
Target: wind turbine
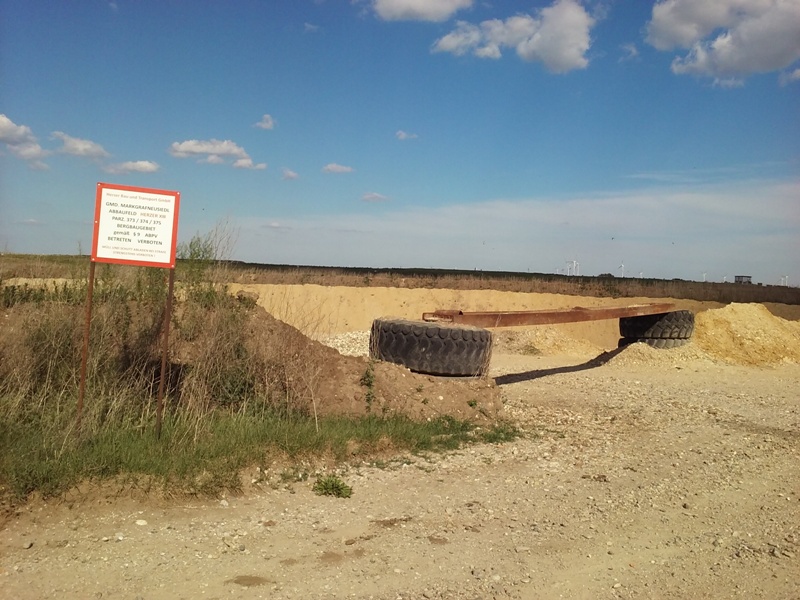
(622, 269)
(704, 276)
(573, 267)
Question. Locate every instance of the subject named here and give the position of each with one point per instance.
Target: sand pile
(542, 339)
(747, 334)
(642, 354)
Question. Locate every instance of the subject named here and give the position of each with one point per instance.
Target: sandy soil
(642, 474)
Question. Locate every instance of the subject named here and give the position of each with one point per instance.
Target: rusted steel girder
(545, 317)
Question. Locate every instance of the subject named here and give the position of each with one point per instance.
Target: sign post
(133, 226)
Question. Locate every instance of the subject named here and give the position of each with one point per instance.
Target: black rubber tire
(432, 348)
(659, 343)
(675, 325)
(622, 342)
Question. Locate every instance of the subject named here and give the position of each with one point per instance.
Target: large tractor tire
(432, 348)
(676, 325)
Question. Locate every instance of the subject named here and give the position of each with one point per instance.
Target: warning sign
(135, 226)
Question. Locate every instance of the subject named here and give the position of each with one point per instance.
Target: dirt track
(644, 475)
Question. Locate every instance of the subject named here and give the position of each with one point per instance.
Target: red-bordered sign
(135, 226)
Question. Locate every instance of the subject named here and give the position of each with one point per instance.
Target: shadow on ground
(595, 362)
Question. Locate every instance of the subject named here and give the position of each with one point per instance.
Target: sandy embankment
(320, 311)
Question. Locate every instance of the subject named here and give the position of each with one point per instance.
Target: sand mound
(543, 339)
(642, 354)
(747, 334)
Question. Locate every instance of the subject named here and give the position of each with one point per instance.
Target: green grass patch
(205, 457)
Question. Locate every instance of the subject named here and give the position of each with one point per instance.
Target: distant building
(743, 279)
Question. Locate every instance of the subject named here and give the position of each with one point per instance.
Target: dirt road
(642, 475)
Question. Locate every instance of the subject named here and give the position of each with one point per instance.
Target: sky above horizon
(638, 138)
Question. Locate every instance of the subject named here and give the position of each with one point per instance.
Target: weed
(500, 433)
(293, 475)
(472, 403)
(368, 381)
(332, 485)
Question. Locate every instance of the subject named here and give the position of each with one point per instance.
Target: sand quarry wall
(321, 311)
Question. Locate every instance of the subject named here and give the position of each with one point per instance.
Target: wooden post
(85, 355)
(164, 352)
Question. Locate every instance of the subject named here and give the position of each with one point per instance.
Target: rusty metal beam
(545, 317)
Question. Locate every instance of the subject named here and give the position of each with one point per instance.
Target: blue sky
(662, 136)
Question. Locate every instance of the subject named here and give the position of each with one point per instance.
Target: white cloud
(288, 174)
(374, 197)
(789, 77)
(418, 10)
(464, 38)
(19, 139)
(266, 122)
(310, 28)
(247, 163)
(669, 231)
(631, 52)
(211, 147)
(728, 82)
(557, 36)
(276, 226)
(11, 133)
(727, 38)
(404, 135)
(79, 147)
(334, 168)
(215, 152)
(133, 166)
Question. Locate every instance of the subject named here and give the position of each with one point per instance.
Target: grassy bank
(240, 390)
(206, 458)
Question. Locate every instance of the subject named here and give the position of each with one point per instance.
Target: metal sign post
(133, 226)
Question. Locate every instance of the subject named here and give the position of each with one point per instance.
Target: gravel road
(637, 478)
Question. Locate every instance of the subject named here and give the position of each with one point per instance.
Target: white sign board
(135, 226)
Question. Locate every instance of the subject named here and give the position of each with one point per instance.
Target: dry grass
(240, 387)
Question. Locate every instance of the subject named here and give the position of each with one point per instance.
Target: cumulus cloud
(404, 135)
(418, 10)
(374, 197)
(334, 168)
(215, 152)
(21, 142)
(266, 122)
(558, 36)
(133, 166)
(727, 39)
(288, 174)
(79, 147)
